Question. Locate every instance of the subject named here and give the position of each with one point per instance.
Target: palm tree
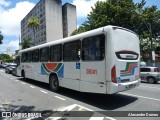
(34, 24)
(1, 38)
(26, 43)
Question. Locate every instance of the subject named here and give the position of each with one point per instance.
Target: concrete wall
(69, 19)
(54, 28)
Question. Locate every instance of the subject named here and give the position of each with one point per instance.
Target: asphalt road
(21, 96)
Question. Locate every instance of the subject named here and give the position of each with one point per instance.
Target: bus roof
(78, 36)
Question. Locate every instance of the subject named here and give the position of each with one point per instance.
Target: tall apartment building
(49, 13)
(69, 19)
(9, 51)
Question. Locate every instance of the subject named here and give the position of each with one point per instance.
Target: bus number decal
(91, 71)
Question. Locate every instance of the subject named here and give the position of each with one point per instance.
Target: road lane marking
(16, 80)
(59, 98)
(96, 118)
(71, 107)
(84, 108)
(110, 118)
(6, 102)
(43, 91)
(149, 87)
(32, 87)
(141, 96)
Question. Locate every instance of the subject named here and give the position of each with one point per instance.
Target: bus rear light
(113, 74)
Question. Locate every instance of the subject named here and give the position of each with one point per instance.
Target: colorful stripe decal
(129, 70)
(47, 68)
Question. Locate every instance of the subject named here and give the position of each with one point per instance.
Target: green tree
(1, 38)
(34, 24)
(9, 60)
(123, 13)
(4, 56)
(79, 30)
(113, 12)
(26, 43)
(16, 52)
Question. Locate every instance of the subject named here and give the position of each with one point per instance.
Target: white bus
(105, 60)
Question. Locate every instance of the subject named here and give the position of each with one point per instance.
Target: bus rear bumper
(119, 87)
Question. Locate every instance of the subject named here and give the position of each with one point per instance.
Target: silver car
(9, 68)
(150, 74)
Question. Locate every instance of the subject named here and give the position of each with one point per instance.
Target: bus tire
(53, 82)
(23, 75)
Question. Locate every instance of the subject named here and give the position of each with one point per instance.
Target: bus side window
(56, 53)
(71, 51)
(23, 58)
(28, 56)
(93, 48)
(35, 55)
(44, 54)
(17, 60)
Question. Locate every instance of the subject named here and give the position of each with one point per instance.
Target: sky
(13, 11)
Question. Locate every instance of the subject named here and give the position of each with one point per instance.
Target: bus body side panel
(28, 69)
(93, 77)
(71, 75)
(123, 63)
(33, 71)
(93, 72)
(19, 65)
(19, 70)
(37, 72)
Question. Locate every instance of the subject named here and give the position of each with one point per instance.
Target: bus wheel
(54, 84)
(23, 75)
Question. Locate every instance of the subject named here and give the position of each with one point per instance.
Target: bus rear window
(127, 55)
